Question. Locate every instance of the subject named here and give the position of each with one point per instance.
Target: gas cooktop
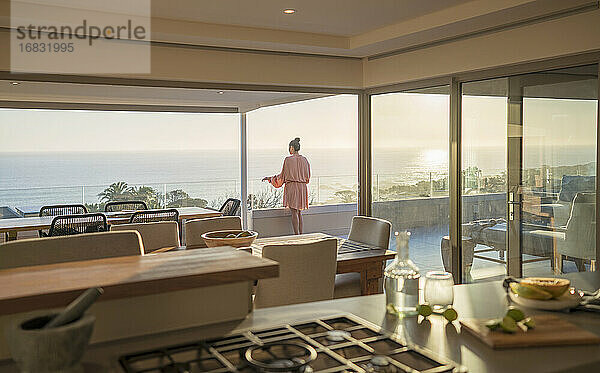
(332, 344)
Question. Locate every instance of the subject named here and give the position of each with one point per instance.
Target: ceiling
(354, 28)
(350, 28)
(241, 101)
(331, 17)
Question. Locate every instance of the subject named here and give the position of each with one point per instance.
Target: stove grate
(343, 344)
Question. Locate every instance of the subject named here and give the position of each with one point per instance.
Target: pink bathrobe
(294, 175)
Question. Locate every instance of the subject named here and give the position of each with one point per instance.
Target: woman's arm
(277, 181)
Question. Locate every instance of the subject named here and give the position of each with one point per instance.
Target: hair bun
(297, 139)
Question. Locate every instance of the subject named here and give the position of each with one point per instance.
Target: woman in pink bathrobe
(295, 174)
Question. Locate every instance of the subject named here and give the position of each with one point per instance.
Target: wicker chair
(230, 207)
(56, 210)
(67, 225)
(116, 206)
(149, 216)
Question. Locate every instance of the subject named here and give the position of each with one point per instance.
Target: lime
(493, 324)
(516, 314)
(508, 324)
(424, 309)
(529, 323)
(450, 314)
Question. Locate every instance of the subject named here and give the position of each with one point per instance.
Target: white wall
(553, 38)
(331, 219)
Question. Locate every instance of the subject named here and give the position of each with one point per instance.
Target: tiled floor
(425, 253)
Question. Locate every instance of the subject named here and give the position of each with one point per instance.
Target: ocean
(38, 178)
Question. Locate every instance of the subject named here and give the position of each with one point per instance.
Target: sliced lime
(508, 324)
(529, 323)
(493, 324)
(516, 314)
(450, 314)
(424, 309)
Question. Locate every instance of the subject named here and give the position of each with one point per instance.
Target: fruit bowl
(235, 238)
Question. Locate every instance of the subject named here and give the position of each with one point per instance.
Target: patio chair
(149, 216)
(230, 207)
(570, 185)
(116, 206)
(370, 231)
(194, 229)
(161, 235)
(67, 225)
(40, 251)
(306, 273)
(577, 241)
(55, 210)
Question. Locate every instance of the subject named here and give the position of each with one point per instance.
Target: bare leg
(300, 221)
(295, 220)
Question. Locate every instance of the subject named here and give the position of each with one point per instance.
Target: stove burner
(281, 357)
(380, 361)
(379, 364)
(337, 335)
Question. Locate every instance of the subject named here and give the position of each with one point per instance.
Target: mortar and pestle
(46, 342)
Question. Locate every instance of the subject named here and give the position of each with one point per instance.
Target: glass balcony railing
(156, 195)
(323, 190)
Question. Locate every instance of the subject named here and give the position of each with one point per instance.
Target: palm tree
(146, 194)
(118, 191)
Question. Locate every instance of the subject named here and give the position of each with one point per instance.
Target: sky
(400, 120)
(328, 122)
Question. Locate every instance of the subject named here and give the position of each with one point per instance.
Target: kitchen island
(475, 300)
(142, 294)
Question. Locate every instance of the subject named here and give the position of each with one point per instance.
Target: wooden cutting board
(550, 330)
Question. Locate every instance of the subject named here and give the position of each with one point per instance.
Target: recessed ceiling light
(220, 92)
(15, 83)
(289, 11)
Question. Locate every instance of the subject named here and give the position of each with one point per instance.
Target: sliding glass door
(558, 170)
(410, 170)
(528, 176)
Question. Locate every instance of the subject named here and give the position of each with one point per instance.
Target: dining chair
(55, 210)
(50, 250)
(369, 231)
(230, 207)
(149, 216)
(116, 206)
(161, 235)
(306, 273)
(194, 229)
(67, 225)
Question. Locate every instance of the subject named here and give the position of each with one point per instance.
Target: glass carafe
(402, 280)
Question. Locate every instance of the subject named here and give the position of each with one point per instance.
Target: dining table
(353, 257)
(13, 226)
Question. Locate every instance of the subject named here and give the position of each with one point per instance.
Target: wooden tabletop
(29, 288)
(121, 217)
(373, 254)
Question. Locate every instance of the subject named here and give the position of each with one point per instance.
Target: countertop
(475, 300)
(55, 285)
